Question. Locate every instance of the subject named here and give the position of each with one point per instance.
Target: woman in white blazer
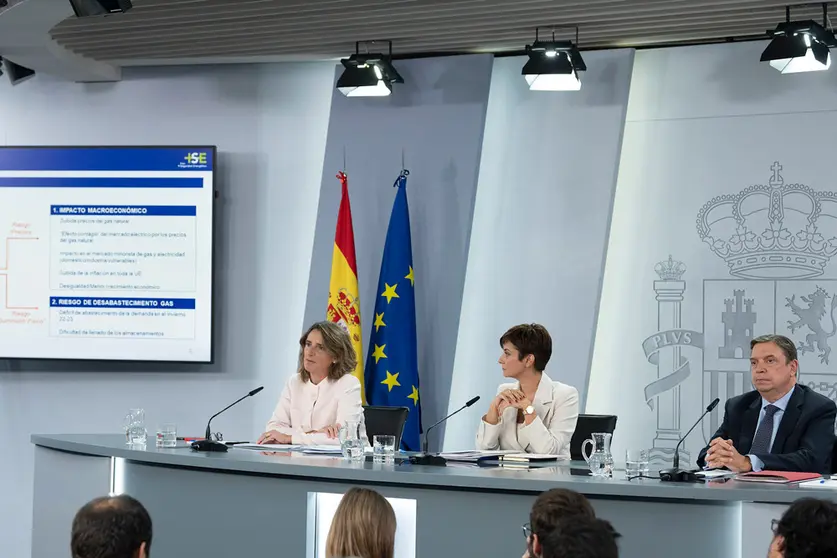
(534, 413)
(322, 395)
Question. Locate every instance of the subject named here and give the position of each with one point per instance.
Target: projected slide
(106, 253)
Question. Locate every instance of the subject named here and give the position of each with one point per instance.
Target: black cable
(643, 477)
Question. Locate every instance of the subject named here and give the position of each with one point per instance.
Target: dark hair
(785, 345)
(580, 537)
(552, 506)
(809, 529)
(530, 339)
(337, 343)
(110, 527)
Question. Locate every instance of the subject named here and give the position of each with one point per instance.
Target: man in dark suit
(781, 426)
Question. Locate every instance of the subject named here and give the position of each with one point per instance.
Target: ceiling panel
(165, 31)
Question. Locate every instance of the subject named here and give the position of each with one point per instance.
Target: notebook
(777, 477)
(821, 483)
(527, 457)
(518, 460)
(473, 456)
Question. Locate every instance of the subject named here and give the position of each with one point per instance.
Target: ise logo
(195, 158)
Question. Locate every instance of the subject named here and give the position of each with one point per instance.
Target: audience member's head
(111, 527)
(580, 537)
(551, 507)
(363, 526)
(808, 529)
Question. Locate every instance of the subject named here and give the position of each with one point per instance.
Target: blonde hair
(363, 526)
(338, 345)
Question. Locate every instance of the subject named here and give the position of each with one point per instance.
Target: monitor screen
(106, 253)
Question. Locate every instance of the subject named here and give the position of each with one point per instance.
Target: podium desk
(245, 503)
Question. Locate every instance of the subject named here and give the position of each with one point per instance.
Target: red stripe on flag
(344, 238)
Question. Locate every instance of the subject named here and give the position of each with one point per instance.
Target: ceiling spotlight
(800, 46)
(553, 65)
(15, 72)
(368, 74)
(88, 8)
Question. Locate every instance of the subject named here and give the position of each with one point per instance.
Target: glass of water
(167, 435)
(351, 443)
(383, 448)
(135, 433)
(636, 463)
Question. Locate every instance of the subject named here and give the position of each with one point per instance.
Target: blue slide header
(98, 182)
(129, 303)
(126, 210)
(107, 158)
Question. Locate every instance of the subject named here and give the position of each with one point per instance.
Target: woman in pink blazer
(322, 395)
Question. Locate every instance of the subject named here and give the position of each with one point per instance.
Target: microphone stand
(208, 444)
(676, 474)
(425, 458)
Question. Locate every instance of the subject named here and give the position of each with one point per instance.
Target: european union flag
(392, 365)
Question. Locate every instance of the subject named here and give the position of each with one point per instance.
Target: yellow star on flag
(389, 292)
(391, 380)
(379, 321)
(378, 353)
(411, 277)
(414, 395)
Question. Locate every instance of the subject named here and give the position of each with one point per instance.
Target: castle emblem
(738, 319)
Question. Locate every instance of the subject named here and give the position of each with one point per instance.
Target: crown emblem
(772, 231)
(346, 313)
(670, 269)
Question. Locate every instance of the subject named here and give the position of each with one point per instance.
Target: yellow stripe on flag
(343, 297)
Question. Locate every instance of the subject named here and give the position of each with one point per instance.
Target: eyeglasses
(774, 525)
(527, 530)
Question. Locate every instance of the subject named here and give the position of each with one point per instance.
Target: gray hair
(786, 345)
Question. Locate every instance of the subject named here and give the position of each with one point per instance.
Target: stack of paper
(473, 456)
(268, 447)
(322, 450)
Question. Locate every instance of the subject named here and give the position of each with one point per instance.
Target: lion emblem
(811, 316)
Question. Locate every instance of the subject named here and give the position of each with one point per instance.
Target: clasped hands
(276, 437)
(505, 399)
(722, 454)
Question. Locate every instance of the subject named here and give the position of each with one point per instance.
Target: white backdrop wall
(547, 175)
(704, 124)
(269, 123)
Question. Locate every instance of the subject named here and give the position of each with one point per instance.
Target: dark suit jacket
(805, 438)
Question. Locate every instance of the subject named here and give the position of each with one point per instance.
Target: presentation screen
(106, 253)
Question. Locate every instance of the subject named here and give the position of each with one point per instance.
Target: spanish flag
(343, 296)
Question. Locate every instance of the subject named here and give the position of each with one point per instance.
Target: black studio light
(800, 46)
(553, 65)
(368, 74)
(89, 8)
(15, 72)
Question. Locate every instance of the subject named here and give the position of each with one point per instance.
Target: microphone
(424, 458)
(676, 474)
(210, 445)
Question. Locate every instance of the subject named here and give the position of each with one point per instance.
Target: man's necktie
(761, 441)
